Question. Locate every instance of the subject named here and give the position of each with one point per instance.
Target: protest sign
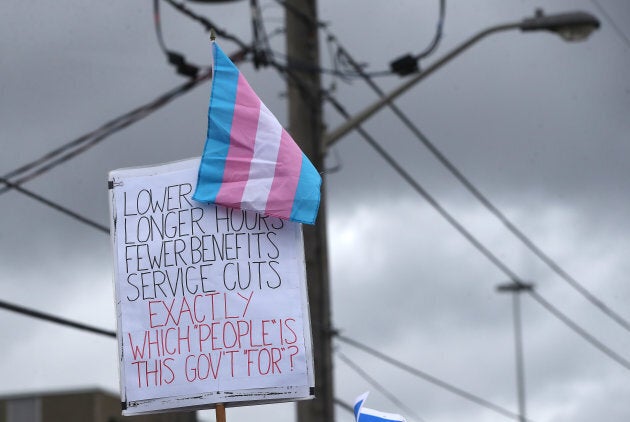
(211, 301)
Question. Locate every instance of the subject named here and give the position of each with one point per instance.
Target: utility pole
(306, 127)
(516, 288)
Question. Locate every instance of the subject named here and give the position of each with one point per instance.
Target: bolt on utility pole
(516, 288)
(306, 127)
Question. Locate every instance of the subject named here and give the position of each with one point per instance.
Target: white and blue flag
(364, 414)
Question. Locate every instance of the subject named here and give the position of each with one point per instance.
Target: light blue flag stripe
(307, 194)
(220, 114)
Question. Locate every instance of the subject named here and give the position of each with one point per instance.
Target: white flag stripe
(381, 415)
(263, 166)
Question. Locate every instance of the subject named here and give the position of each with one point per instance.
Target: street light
(572, 26)
(575, 26)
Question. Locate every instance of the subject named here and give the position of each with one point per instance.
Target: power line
(86, 141)
(79, 145)
(529, 243)
(56, 206)
(429, 378)
(208, 24)
(407, 64)
(309, 21)
(579, 330)
(612, 23)
(261, 47)
(174, 58)
(470, 237)
(54, 319)
(438, 33)
(374, 383)
(344, 405)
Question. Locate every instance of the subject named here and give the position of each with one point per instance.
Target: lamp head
(573, 26)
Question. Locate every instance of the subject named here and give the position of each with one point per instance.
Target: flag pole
(220, 412)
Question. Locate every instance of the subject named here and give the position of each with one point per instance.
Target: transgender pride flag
(249, 161)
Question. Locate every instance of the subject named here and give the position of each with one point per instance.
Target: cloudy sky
(538, 125)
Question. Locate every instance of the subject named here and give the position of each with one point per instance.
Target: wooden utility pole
(305, 125)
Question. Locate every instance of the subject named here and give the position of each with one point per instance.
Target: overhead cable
(522, 237)
(612, 23)
(79, 145)
(308, 20)
(429, 378)
(578, 329)
(378, 386)
(469, 236)
(438, 33)
(55, 206)
(54, 319)
(261, 48)
(176, 59)
(208, 24)
(344, 405)
(408, 63)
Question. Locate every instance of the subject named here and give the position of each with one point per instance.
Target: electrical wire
(576, 328)
(522, 237)
(324, 26)
(471, 238)
(408, 63)
(303, 67)
(176, 59)
(306, 19)
(157, 25)
(261, 46)
(378, 386)
(438, 33)
(429, 378)
(208, 24)
(345, 406)
(56, 206)
(81, 144)
(612, 23)
(54, 319)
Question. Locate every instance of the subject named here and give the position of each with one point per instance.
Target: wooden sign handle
(220, 412)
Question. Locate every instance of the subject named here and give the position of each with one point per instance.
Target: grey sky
(538, 125)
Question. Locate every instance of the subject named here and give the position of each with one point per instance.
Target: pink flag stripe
(286, 178)
(241, 150)
(263, 166)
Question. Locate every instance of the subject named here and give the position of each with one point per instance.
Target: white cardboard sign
(211, 302)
